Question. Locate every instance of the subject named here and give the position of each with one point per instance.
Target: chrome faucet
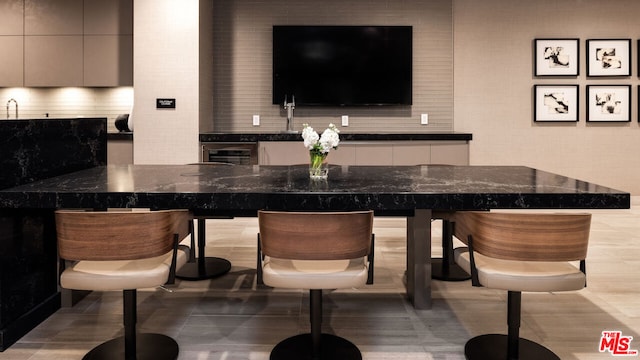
(289, 106)
(9, 103)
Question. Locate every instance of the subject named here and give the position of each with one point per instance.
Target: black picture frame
(608, 57)
(557, 57)
(556, 103)
(638, 91)
(608, 103)
(638, 69)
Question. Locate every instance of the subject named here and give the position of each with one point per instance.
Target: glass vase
(318, 167)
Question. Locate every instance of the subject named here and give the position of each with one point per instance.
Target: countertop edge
(256, 137)
(120, 136)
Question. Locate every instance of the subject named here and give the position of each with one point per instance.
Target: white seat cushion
(314, 274)
(121, 275)
(535, 276)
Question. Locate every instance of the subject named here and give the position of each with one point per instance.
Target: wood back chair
(315, 235)
(124, 250)
(525, 236)
(107, 235)
(520, 252)
(315, 251)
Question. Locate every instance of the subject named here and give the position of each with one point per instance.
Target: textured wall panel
(242, 63)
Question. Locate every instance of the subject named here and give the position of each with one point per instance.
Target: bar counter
(413, 192)
(242, 190)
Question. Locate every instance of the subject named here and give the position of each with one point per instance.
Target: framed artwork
(608, 102)
(608, 57)
(639, 58)
(555, 103)
(639, 101)
(557, 57)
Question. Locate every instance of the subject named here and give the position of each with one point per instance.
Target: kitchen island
(35, 149)
(414, 192)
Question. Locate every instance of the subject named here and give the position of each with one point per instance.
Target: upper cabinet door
(108, 60)
(66, 43)
(11, 17)
(11, 71)
(108, 17)
(53, 17)
(53, 61)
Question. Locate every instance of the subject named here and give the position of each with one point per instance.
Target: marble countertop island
(242, 190)
(413, 192)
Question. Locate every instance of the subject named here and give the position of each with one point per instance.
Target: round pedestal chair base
(211, 268)
(149, 347)
(299, 347)
(494, 347)
(452, 272)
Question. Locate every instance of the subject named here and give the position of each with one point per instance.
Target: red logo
(617, 344)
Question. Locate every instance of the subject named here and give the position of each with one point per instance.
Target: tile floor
(232, 318)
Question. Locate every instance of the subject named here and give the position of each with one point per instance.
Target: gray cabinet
(373, 153)
(113, 17)
(282, 153)
(108, 43)
(108, 60)
(370, 153)
(50, 43)
(12, 61)
(119, 151)
(11, 17)
(450, 153)
(53, 60)
(408, 153)
(53, 17)
(11, 42)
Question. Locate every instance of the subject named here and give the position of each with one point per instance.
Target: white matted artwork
(609, 103)
(609, 57)
(557, 57)
(555, 102)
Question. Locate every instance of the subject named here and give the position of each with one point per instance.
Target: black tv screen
(342, 65)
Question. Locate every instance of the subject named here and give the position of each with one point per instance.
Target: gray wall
(242, 63)
(494, 80)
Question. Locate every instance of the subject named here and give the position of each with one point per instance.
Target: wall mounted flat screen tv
(342, 65)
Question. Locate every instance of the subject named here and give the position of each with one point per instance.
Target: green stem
(317, 160)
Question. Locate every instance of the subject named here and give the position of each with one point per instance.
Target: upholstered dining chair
(123, 250)
(315, 251)
(520, 252)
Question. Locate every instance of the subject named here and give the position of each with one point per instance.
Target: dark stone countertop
(255, 137)
(344, 136)
(122, 135)
(34, 149)
(242, 190)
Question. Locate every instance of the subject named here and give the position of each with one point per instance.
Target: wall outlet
(345, 120)
(256, 120)
(424, 119)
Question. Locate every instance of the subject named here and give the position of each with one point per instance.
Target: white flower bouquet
(319, 147)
